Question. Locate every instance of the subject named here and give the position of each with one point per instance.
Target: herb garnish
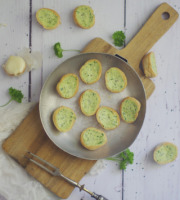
(124, 158)
(59, 51)
(118, 38)
(16, 95)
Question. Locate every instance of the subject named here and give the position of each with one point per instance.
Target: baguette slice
(48, 18)
(165, 153)
(89, 102)
(149, 65)
(107, 117)
(64, 118)
(91, 71)
(115, 79)
(68, 86)
(14, 66)
(92, 138)
(84, 16)
(129, 109)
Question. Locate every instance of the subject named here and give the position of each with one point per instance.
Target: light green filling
(108, 118)
(154, 68)
(129, 110)
(47, 18)
(65, 118)
(114, 80)
(89, 102)
(68, 86)
(84, 16)
(93, 137)
(166, 153)
(90, 71)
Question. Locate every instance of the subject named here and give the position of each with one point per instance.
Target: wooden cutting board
(30, 135)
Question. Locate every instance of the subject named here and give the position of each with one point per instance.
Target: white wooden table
(144, 180)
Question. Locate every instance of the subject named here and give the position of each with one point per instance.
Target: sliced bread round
(84, 16)
(89, 102)
(91, 71)
(165, 153)
(115, 79)
(149, 65)
(129, 109)
(68, 86)
(107, 117)
(48, 18)
(92, 138)
(64, 118)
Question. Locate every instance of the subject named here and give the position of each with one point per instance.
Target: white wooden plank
(145, 179)
(14, 37)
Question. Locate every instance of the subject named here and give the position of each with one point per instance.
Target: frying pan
(138, 86)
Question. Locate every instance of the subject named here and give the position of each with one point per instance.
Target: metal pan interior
(118, 139)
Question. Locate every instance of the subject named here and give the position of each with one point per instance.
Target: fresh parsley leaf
(59, 51)
(118, 38)
(124, 158)
(16, 95)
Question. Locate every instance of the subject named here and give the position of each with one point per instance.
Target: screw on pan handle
(98, 197)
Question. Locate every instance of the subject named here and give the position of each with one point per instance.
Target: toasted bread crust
(123, 76)
(80, 102)
(114, 112)
(147, 66)
(76, 20)
(58, 85)
(138, 109)
(99, 75)
(165, 144)
(93, 147)
(55, 13)
(55, 122)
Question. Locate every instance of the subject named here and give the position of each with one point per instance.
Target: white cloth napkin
(15, 183)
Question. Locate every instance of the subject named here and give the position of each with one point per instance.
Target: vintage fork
(56, 172)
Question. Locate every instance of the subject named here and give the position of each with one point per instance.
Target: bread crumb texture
(165, 153)
(84, 16)
(89, 102)
(115, 79)
(107, 117)
(64, 118)
(149, 65)
(68, 86)
(48, 18)
(91, 71)
(92, 138)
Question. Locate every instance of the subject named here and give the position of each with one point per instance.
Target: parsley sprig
(59, 51)
(119, 38)
(124, 158)
(16, 95)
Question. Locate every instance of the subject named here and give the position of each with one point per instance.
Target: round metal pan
(118, 139)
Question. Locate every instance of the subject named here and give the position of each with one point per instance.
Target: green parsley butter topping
(47, 18)
(165, 153)
(84, 16)
(65, 118)
(68, 86)
(89, 102)
(90, 71)
(108, 118)
(114, 80)
(129, 110)
(93, 137)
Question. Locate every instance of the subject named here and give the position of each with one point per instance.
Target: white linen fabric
(15, 183)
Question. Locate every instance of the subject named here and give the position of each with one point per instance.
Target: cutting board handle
(156, 26)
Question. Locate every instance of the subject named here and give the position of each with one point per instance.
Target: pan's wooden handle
(149, 34)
